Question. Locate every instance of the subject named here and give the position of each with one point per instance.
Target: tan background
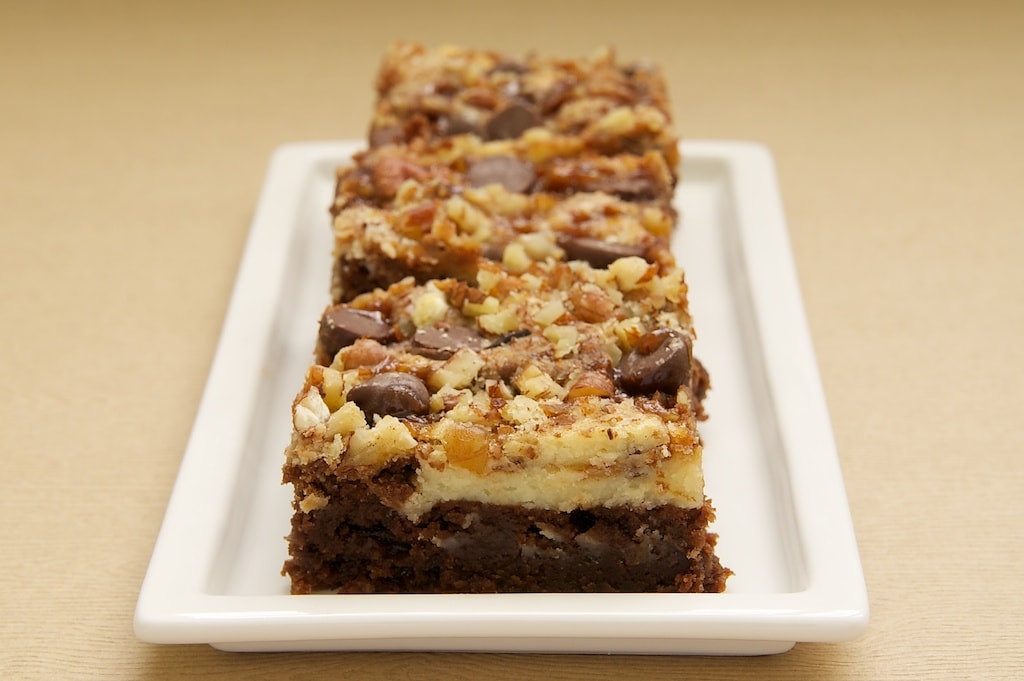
(133, 142)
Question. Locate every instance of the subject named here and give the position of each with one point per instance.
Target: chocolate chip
(512, 121)
(457, 125)
(513, 174)
(391, 394)
(340, 326)
(598, 253)
(441, 342)
(659, 362)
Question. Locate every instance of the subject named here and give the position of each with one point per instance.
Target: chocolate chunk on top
(659, 362)
(341, 326)
(596, 252)
(441, 342)
(512, 121)
(456, 125)
(392, 394)
(513, 174)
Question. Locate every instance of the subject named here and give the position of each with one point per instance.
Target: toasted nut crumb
(447, 398)
(499, 323)
(619, 121)
(628, 331)
(310, 411)
(524, 411)
(387, 439)
(332, 385)
(656, 221)
(488, 279)
(469, 218)
(540, 245)
(566, 339)
(591, 304)
(459, 371)
(674, 286)
(430, 307)
(549, 312)
(536, 384)
(346, 420)
(591, 383)
(488, 305)
(631, 272)
(391, 172)
(365, 352)
(515, 258)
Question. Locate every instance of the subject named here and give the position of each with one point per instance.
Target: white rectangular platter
(770, 460)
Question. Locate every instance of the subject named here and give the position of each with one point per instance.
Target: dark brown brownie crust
(359, 544)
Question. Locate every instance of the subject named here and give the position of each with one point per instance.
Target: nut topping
(591, 383)
(390, 172)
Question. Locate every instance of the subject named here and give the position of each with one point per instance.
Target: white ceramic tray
(770, 459)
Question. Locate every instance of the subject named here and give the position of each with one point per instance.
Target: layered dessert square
(535, 432)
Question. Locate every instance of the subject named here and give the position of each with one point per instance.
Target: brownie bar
(534, 432)
(433, 211)
(532, 163)
(611, 106)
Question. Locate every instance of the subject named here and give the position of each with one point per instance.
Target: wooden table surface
(133, 142)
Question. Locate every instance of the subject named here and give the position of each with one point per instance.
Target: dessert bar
(613, 107)
(535, 432)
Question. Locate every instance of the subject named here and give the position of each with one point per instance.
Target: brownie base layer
(359, 544)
